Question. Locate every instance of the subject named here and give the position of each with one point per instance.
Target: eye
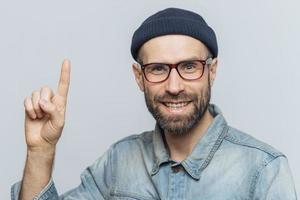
(157, 69)
(189, 66)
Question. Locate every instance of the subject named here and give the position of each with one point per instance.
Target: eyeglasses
(187, 70)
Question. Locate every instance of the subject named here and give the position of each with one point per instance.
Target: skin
(44, 121)
(45, 109)
(172, 49)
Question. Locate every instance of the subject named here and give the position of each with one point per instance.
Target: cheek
(198, 88)
(201, 84)
(153, 90)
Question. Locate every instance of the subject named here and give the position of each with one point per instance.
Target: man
(191, 154)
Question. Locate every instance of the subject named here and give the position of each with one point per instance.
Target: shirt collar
(202, 153)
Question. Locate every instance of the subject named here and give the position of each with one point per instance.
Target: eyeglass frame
(204, 63)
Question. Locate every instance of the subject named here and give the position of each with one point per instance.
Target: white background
(257, 86)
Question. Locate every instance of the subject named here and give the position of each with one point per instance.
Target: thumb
(49, 108)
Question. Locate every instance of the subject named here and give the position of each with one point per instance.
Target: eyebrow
(186, 59)
(192, 58)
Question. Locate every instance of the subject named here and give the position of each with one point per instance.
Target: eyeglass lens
(189, 70)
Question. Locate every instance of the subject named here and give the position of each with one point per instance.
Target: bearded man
(191, 154)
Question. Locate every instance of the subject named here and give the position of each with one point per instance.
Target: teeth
(176, 105)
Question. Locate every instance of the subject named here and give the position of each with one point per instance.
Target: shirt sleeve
(275, 181)
(95, 182)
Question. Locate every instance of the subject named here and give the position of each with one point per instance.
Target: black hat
(174, 21)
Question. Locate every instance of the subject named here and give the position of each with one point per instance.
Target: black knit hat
(174, 21)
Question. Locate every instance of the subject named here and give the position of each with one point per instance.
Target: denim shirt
(225, 164)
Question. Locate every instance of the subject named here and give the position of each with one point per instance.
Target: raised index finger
(64, 81)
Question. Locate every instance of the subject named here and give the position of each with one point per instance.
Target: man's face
(176, 104)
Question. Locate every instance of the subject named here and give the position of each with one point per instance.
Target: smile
(176, 106)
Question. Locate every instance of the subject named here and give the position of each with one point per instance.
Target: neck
(180, 146)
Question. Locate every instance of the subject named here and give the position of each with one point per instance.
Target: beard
(179, 124)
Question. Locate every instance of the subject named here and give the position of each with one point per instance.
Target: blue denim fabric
(226, 164)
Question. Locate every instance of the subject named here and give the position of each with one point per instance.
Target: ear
(138, 76)
(213, 70)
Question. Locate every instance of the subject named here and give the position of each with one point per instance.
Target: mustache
(179, 97)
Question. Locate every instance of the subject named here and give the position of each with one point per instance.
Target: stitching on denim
(131, 137)
(120, 193)
(46, 192)
(256, 176)
(191, 172)
(234, 140)
(215, 147)
(85, 178)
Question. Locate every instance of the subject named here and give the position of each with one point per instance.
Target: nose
(174, 83)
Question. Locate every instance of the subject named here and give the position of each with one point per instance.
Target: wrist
(40, 160)
(41, 151)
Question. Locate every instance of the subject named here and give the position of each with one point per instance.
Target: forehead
(172, 48)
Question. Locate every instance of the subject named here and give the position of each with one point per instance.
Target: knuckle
(36, 107)
(35, 93)
(46, 88)
(25, 101)
(26, 108)
(30, 110)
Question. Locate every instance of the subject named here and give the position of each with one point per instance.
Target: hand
(45, 113)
